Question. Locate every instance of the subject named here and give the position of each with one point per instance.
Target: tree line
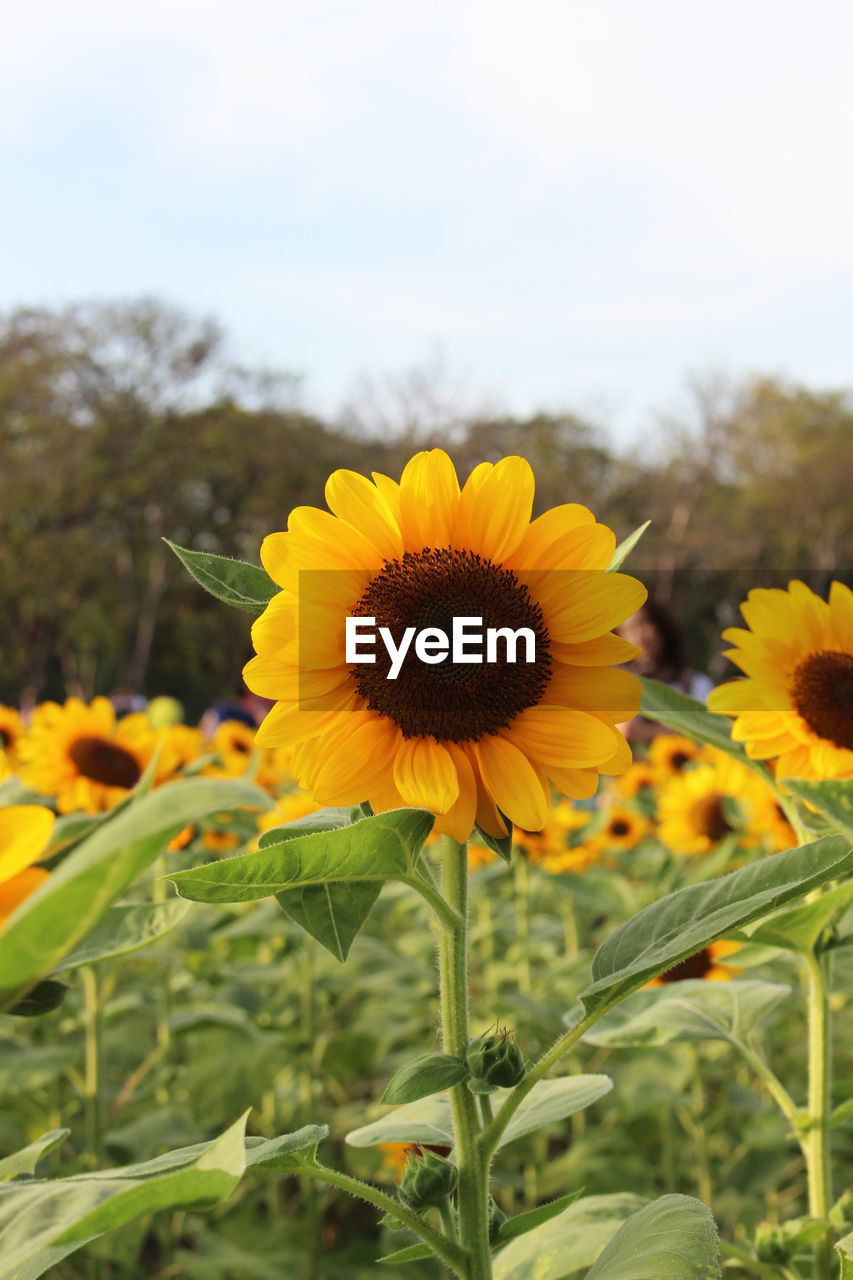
(124, 423)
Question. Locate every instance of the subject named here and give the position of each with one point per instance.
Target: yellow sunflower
(796, 703)
(670, 753)
(25, 831)
(180, 746)
(11, 729)
(622, 829)
(81, 755)
(471, 741)
(576, 859)
(704, 964)
(641, 779)
(234, 743)
(692, 812)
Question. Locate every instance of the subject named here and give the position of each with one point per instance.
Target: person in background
(657, 635)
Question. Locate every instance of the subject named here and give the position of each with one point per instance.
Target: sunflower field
(432, 975)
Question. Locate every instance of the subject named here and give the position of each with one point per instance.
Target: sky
(568, 204)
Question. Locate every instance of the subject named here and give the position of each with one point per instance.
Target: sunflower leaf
(331, 913)
(693, 719)
(384, 847)
(799, 928)
(567, 1243)
(690, 1010)
(428, 1074)
(126, 928)
(25, 1160)
(43, 998)
(833, 798)
(68, 905)
(627, 546)
(524, 1222)
(679, 925)
(673, 1238)
(247, 586)
(322, 820)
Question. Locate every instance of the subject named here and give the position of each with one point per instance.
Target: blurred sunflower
(670, 753)
(181, 745)
(796, 703)
(693, 809)
(704, 964)
(471, 742)
(576, 859)
(234, 743)
(289, 807)
(622, 829)
(11, 729)
(641, 779)
(25, 831)
(81, 755)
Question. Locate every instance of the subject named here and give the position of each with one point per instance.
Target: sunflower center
(619, 827)
(693, 967)
(451, 701)
(710, 818)
(822, 691)
(5, 739)
(679, 759)
(105, 762)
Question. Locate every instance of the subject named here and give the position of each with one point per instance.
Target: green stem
(92, 1072)
(447, 1219)
(446, 1249)
(771, 1082)
(522, 915)
(473, 1188)
(816, 1146)
(485, 1108)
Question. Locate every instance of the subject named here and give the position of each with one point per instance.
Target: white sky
(578, 201)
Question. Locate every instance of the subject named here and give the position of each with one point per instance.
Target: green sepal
(246, 586)
(501, 845)
(626, 546)
(431, 1073)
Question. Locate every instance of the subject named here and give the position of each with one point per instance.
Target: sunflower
(234, 743)
(704, 964)
(693, 810)
(25, 831)
(469, 741)
(78, 753)
(640, 780)
(796, 703)
(180, 746)
(670, 753)
(622, 829)
(576, 859)
(11, 729)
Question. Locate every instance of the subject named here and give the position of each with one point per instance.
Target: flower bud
(496, 1058)
(427, 1180)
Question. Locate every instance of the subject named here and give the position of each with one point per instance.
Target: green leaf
(44, 997)
(412, 1254)
(41, 1221)
(332, 913)
(567, 1243)
(673, 1238)
(693, 719)
(126, 928)
(834, 799)
(627, 546)
(25, 1160)
(800, 928)
(429, 1120)
(524, 1222)
(384, 847)
(679, 925)
(690, 1010)
(290, 1151)
(845, 1256)
(237, 582)
(68, 905)
(550, 1101)
(429, 1074)
(322, 820)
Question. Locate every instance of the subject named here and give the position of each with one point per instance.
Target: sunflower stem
(816, 1147)
(92, 1077)
(472, 1161)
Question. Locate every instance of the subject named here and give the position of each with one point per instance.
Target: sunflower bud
(427, 1180)
(496, 1059)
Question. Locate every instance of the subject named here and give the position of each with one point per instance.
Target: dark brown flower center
(451, 701)
(693, 967)
(822, 691)
(710, 817)
(679, 759)
(5, 739)
(105, 762)
(619, 827)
